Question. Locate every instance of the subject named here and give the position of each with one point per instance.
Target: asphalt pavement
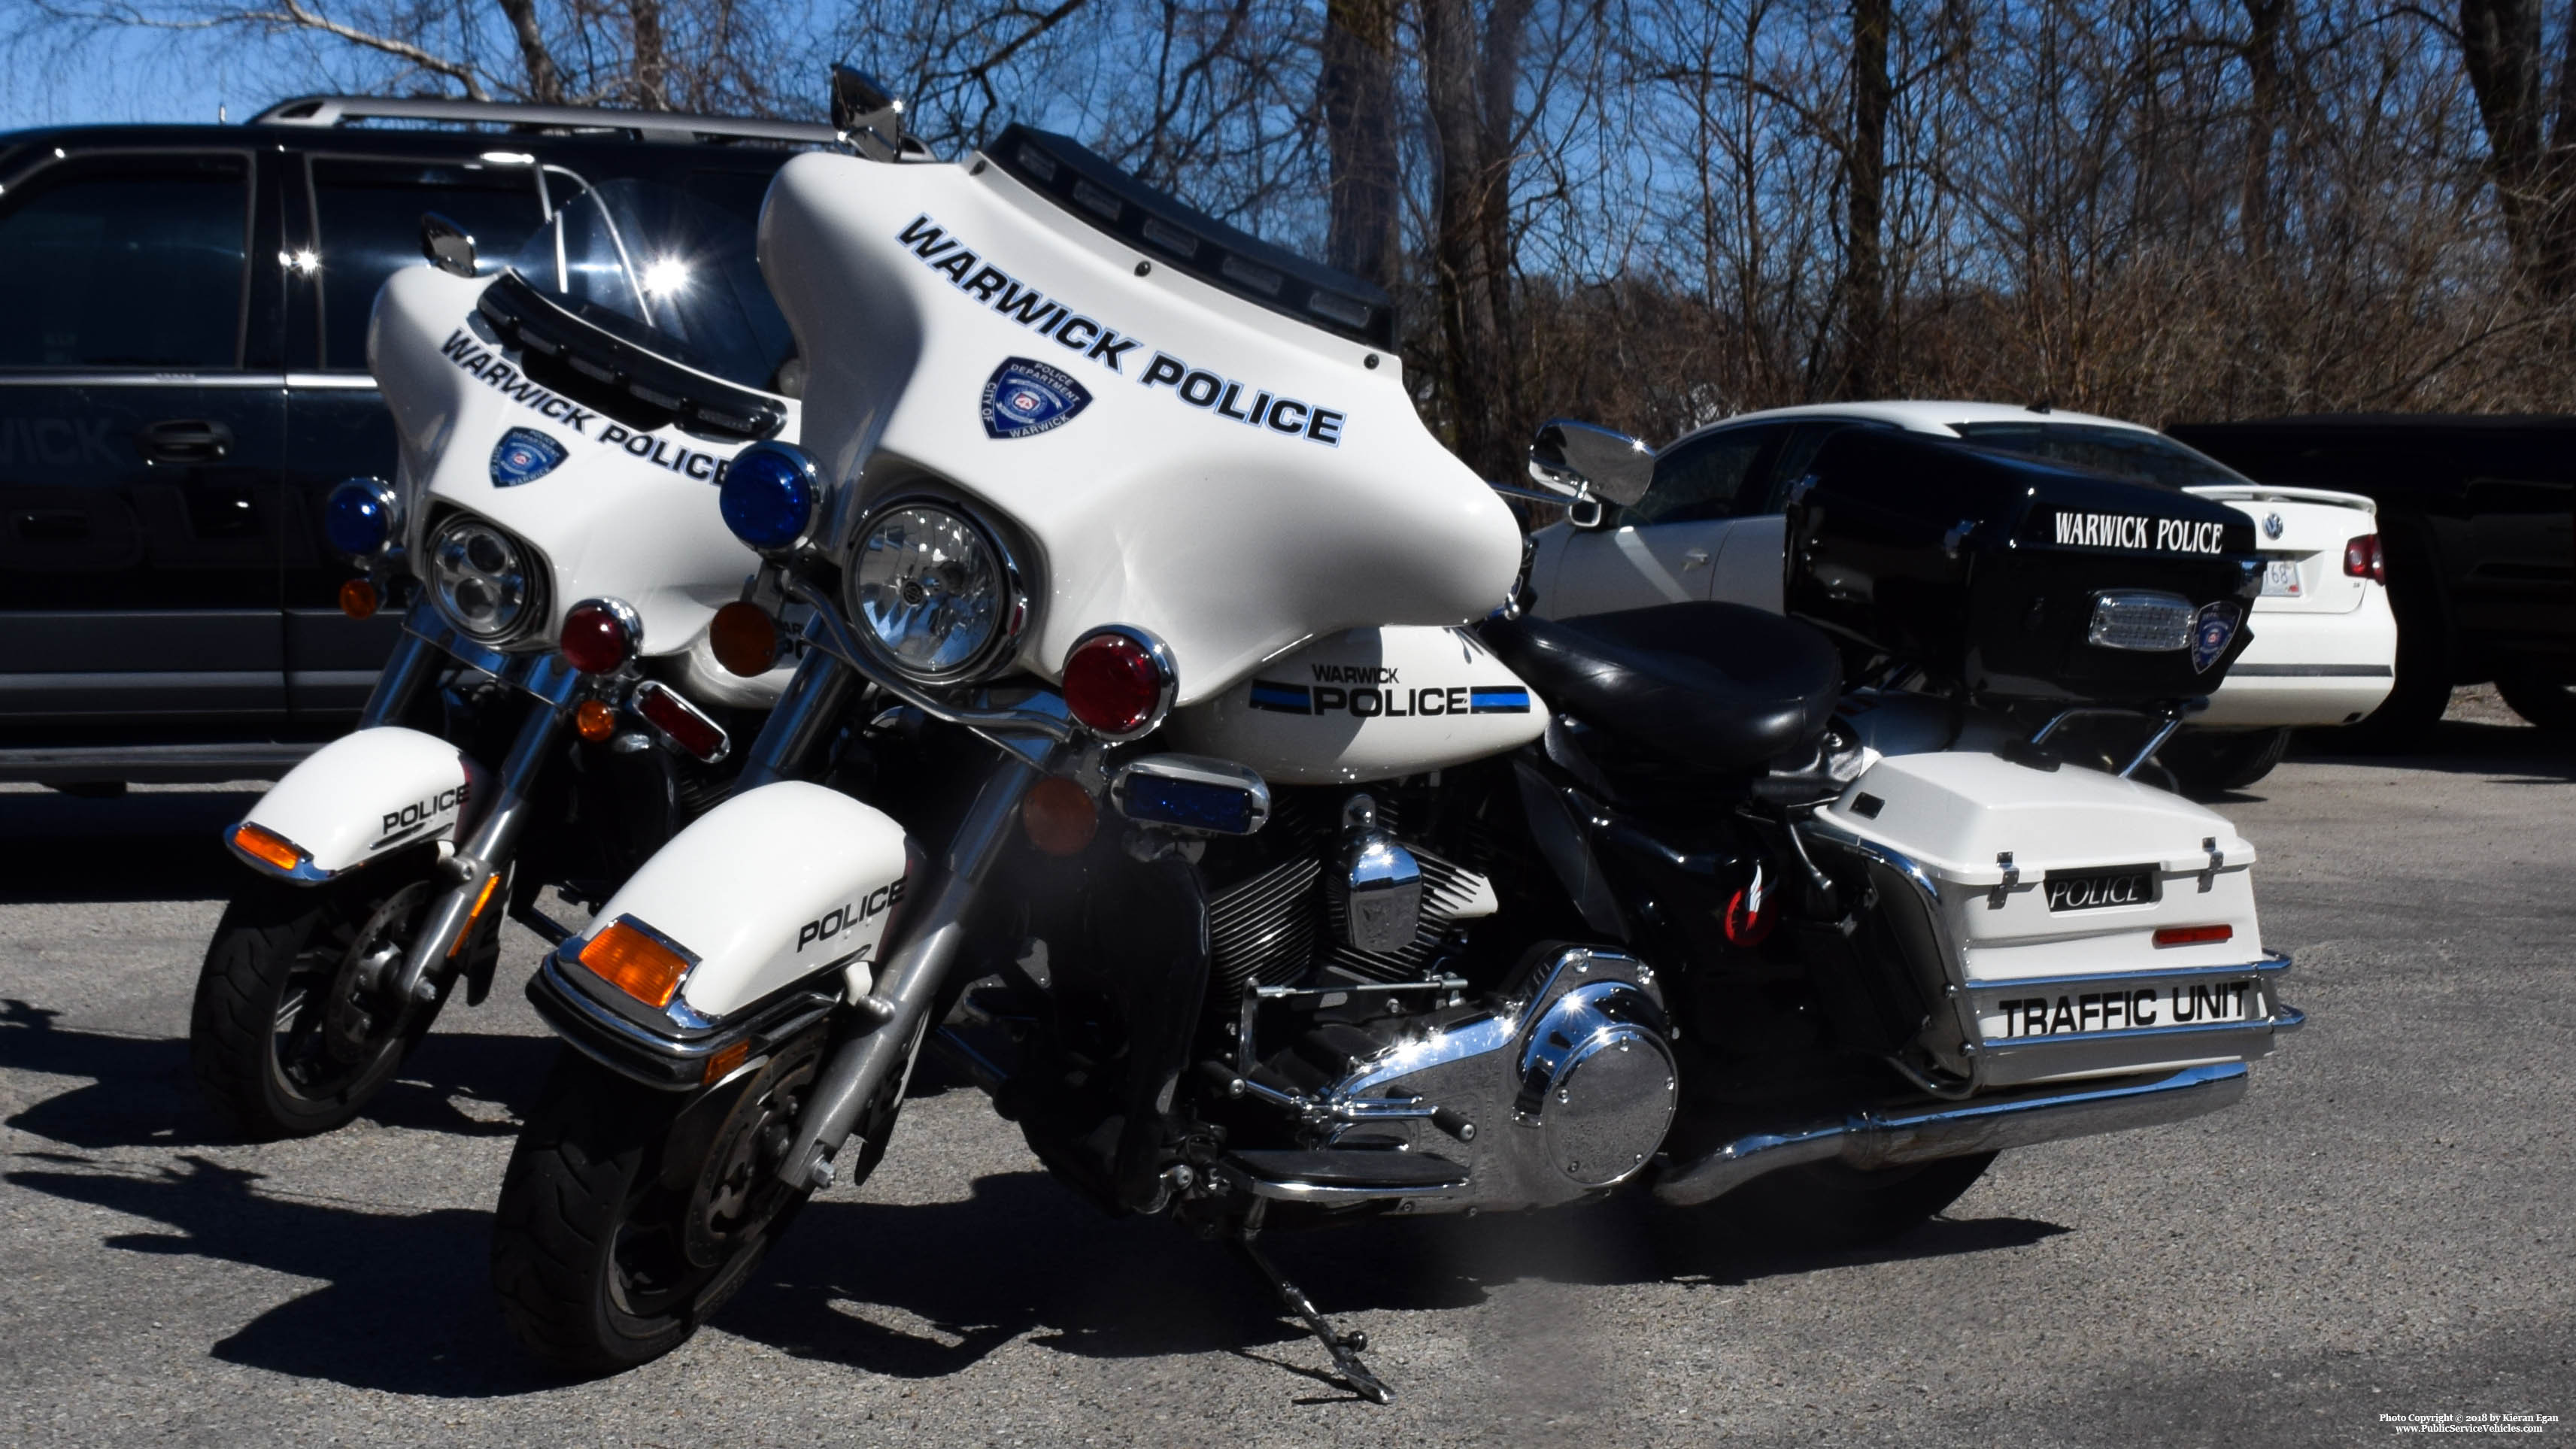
(2382, 1228)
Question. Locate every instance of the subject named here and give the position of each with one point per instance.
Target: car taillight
(1118, 681)
(600, 635)
(2363, 560)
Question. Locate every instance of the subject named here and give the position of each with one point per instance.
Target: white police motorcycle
(1207, 812)
(554, 709)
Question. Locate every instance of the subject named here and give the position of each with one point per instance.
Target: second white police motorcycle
(1213, 814)
(554, 710)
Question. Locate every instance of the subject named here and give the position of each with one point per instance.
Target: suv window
(2128, 452)
(367, 216)
(136, 262)
(1700, 479)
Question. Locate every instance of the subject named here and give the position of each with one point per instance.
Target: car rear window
(2129, 452)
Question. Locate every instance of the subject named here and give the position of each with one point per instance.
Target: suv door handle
(1694, 558)
(185, 440)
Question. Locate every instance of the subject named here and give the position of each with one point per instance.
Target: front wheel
(629, 1214)
(294, 1029)
(1833, 1205)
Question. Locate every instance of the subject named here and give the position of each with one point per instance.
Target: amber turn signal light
(2194, 935)
(267, 846)
(1059, 816)
(633, 962)
(721, 1065)
(744, 638)
(465, 932)
(358, 599)
(593, 720)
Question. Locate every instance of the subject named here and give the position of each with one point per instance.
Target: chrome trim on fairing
(1880, 1137)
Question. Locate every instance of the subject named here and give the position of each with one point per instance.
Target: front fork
(479, 860)
(909, 981)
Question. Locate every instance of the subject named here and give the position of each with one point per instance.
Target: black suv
(183, 376)
(2475, 516)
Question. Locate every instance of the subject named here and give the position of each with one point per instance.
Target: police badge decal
(2211, 633)
(1023, 398)
(524, 455)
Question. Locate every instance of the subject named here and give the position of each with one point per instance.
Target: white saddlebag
(2077, 924)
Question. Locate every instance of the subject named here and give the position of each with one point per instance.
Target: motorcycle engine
(1550, 1083)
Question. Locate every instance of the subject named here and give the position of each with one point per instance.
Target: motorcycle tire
(2544, 696)
(2208, 764)
(1823, 1205)
(284, 1038)
(618, 1232)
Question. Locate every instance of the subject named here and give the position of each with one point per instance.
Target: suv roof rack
(638, 125)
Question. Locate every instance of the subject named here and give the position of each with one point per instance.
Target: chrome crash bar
(1876, 1138)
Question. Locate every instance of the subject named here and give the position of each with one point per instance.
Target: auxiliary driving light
(768, 495)
(1119, 681)
(634, 958)
(744, 639)
(600, 636)
(358, 517)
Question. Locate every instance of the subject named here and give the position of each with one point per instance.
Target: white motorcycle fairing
(913, 287)
(627, 515)
(367, 795)
(1367, 704)
(766, 890)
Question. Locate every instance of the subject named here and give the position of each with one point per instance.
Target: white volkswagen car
(1712, 527)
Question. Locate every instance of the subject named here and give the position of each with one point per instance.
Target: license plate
(2281, 579)
(2091, 890)
(2115, 1008)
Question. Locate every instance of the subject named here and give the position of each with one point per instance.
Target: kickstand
(1344, 1347)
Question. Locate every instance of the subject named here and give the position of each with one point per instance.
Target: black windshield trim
(1087, 186)
(629, 383)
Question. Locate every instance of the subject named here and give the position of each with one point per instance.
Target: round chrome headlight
(482, 579)
(933, 591)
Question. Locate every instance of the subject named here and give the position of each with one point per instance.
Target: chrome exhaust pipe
(1874, 1138)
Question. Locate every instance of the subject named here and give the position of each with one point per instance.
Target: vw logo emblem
(2271, 525)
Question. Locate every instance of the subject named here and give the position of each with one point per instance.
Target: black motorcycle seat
(1721, 687)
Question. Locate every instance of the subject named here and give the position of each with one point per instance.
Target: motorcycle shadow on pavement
(167, 846)
(140, 1092)
(1020, 1257)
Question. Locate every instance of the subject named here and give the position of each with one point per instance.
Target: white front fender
(765, 890)
(362, 796)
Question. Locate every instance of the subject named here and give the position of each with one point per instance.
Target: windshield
(666, 271)
(2128, 452)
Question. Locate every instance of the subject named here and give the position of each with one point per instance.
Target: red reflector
(2194, 935)
(680, 722)
(1117, 684)
(358, 599)
(2362, 559)
(599, 636)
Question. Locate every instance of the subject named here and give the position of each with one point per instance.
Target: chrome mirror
(868, 116)
(449, 247)
(1590, 461)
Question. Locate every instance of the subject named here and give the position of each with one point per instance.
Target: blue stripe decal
(1285, 698)
(1497, 699)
